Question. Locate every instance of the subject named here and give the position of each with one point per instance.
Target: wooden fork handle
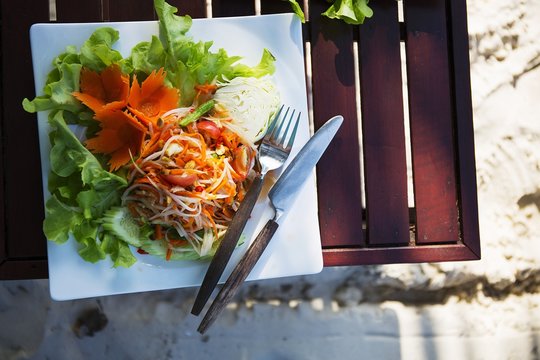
(239, 274)
(227, 245)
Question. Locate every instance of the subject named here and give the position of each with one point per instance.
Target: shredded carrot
(179, 242)
(204, 92)
(230, 139)
(151, 145)
(206, 204)
(206, 88)
(158, 234)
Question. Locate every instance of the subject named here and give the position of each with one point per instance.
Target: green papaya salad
(168, 148)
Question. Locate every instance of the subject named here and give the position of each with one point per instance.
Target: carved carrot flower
(152, 98)
(121, 136)
(107, 90)
(124, 113)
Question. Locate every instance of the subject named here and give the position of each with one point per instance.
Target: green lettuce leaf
(159, 248)
(146, 57)
(118, 250)
(352, 12)
(90, 250)
(189, 63)
(61, 82)
(81, 192)
(60, 219)
(97, 52)
(297, 10)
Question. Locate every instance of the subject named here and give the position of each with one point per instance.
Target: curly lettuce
(352, 12)
(81, 192)
(187, 62)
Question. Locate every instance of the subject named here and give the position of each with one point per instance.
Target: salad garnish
(352, 12)
(168, 148)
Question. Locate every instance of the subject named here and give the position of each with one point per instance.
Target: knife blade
(281, 198)
(284, 190)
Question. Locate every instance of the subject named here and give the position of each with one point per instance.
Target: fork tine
(293, 134)
(274, 121)
(286, 132)
(277, 129)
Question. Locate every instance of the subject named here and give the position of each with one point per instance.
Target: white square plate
(296, 247)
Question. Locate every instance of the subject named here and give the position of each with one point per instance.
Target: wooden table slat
(130, 10)
(431, 121)
(383, 127)
(276, 7)
(3, 234)
(20, 269)
(407, 254)
(222, 8)
(338, 171)
(78, 11)
(195, 8)
(22, 197)
(464, 127)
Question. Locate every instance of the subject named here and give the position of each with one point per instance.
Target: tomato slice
(209, 128)
(181, 180)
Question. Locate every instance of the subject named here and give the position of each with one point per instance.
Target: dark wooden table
(443, 223)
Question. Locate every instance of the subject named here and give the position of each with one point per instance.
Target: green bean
(197, 113)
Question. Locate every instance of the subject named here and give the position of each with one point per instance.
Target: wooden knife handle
(239, 274)
(227, 245)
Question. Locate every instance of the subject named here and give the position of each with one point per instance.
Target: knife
(281, 198)
(230, 239)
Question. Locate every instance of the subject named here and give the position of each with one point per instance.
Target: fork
(273, 152)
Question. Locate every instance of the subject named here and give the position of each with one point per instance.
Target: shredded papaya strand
(224, 184)
(215, 172)
(210, 218)
(235, 175)
(194, 156)
(200, 142)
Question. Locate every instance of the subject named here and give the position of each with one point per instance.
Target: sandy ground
(487, 309)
